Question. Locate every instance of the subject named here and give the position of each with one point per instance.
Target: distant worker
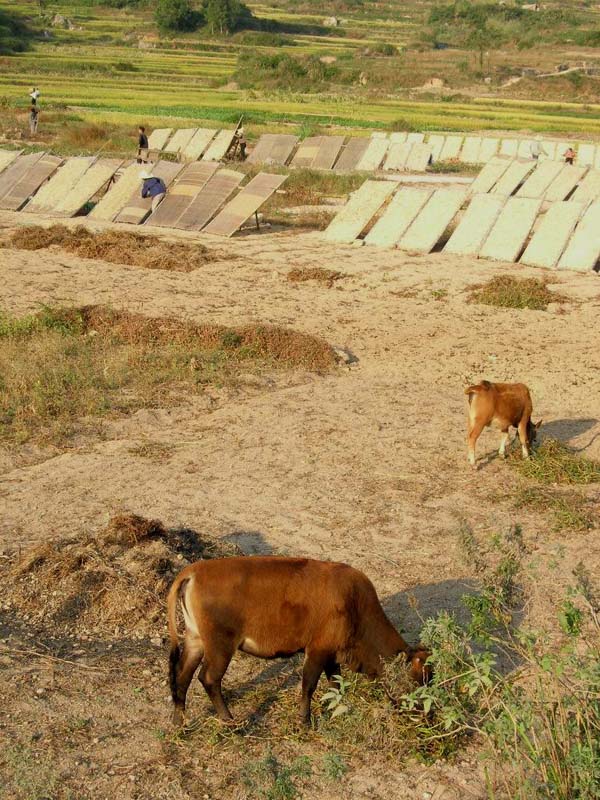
(33, 119)
(569, 155)
(536, 148)
(241, 142)
(142, 153)
(153, 187)
(34, 94)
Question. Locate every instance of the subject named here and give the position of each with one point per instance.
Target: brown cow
(501, 404)
(273, 607)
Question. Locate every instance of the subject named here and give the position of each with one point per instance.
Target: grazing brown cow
(273, 607)
(501, 404)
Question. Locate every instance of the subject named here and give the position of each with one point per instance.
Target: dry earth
(367, 465)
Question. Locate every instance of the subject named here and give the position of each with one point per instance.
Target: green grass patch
(554, 462)
(571, 510)
(506, 291)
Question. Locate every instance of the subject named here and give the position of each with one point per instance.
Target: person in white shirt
(34, 94)
(536, 148)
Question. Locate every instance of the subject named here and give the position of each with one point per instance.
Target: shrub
(176, 15)
(505, 291)
(226, 16)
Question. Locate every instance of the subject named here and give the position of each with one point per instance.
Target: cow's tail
(175, 652)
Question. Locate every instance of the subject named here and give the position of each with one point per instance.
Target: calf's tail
(175, 651)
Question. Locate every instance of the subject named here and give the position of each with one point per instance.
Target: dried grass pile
(113, 583)
(117, 247)
(326, 277)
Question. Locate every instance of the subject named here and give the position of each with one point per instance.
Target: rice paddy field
(113, 66)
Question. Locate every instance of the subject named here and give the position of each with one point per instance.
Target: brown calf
(273, 607)
(501, 404)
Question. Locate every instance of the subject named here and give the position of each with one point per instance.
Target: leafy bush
(15, 33)
(282, 71)
(176, 15)
(226, 16)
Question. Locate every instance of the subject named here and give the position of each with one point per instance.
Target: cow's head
(420, 671)
(532, 429)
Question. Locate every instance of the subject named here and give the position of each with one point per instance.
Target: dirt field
(366, 465)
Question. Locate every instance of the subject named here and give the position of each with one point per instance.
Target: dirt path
(367, 465)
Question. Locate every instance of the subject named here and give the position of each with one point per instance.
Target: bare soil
(365, 464)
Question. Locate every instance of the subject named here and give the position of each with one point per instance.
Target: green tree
(176, 15)
(225, 16)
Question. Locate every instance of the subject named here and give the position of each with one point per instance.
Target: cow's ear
(537, 425)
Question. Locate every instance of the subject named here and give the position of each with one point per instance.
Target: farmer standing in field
(153, 187)
(33, 119)
(34, 94)
(569, 155)
(142, 153)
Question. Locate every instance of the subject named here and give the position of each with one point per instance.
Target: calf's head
(420, 671)
(532, 429)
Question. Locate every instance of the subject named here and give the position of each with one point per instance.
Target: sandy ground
(367, 465)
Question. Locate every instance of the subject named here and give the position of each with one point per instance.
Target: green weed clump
(64, 369)
(506, 291)
(571, 511)
(554, 462)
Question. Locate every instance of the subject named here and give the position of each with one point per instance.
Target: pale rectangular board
(262, 148)
(418, 158)
(451, 148)
(306, 152)
(374, 154)
(397, 216)
(583, 250)
(540, 179)
(210, 199)
(430, 223)
(182, 193)
(564, 183)
(7, 157)
(219, 146)
(398, 136)
(30, 182)
(489, 148)
(127, 180)
(15, 171)
(597, 163)
(549, 149)
(198, 144)
(415, 137)
(351, 154)
(159, 137)
(180, 140)
(586, 154)
(282, 149)
(524, 149)
(510, 231)
(513, 177)
(509, 147)
(245, 204)
(436, 142)
(397, 155)
(550, 239)
(97, 176)
(470, 150)
(329, 150)
(137, 207)
(477, 222)
(490, 175)
(52, 192)
(360, 209)
(589, 188)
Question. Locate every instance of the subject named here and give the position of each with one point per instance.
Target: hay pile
(326, 277)
(117, 247)
(114, 583)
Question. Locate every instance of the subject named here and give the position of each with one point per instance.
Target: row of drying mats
(400, 151)
(544, 214)
(200, 195)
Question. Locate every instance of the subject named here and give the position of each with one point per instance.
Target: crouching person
(153, 187)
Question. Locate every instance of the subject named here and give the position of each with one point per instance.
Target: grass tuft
(571, 510)
(116, 247)
(325, 277)
(506, 291)
(554, 462)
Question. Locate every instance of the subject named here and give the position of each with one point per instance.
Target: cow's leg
(182, 668)
(332, 668)
(475, 428)
(217, 656)
(503, 441)
(523, 436)
(314, 664)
